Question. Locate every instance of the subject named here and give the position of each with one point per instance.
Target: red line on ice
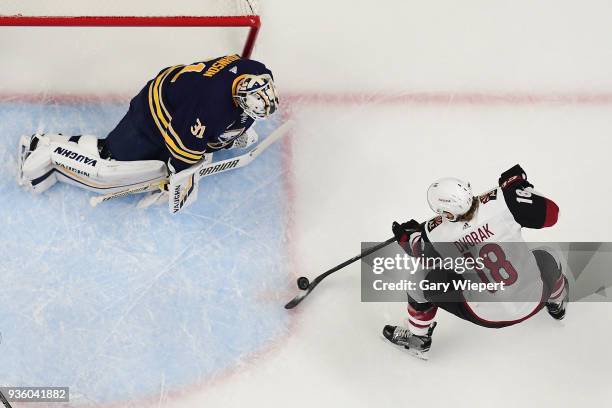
(359, 98)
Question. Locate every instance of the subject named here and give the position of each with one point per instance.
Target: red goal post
(252, 22)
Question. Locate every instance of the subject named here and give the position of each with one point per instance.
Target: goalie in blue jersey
(181, 116)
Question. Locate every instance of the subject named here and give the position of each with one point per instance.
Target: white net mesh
(129, 8)
(93, 60)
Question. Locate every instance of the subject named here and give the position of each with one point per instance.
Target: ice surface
(387, 97)
(382, 158)
(114, 301)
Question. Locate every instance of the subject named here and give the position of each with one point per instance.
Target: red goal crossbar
(251, 21)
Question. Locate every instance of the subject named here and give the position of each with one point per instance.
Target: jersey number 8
(494, 259)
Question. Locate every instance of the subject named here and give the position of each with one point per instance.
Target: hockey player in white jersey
(486, 226)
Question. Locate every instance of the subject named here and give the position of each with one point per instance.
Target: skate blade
(418, 354)
(415, 353)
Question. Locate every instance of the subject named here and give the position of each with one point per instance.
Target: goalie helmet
(450, 195)
(256, 95)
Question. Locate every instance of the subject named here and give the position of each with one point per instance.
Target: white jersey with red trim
(494, 235)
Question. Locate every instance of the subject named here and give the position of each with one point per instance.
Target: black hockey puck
(303, 282)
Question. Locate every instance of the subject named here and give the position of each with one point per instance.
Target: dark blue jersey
(186, 111)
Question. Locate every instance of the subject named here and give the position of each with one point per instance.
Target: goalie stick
(204, 169)
(308, 287)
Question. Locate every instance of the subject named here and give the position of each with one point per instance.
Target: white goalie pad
(35, 167)
(183, 190)
(183, 186)
(57, 158)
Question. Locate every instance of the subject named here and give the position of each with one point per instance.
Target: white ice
(387, 97)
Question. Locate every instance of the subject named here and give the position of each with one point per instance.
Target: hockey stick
(5, 401)
(207, 169)
(141, 188)
(306, 286)
(204, 169)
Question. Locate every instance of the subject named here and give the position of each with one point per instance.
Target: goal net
(102, 47)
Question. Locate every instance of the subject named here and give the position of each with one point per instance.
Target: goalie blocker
(183, 186)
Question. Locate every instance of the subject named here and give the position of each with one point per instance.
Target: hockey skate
(418, 346)
(557, 308)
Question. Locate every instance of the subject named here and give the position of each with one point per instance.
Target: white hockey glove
(246, 139)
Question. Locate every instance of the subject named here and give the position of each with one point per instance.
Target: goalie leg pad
(36, 170)
(76, 160)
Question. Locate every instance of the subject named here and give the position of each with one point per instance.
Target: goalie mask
(256, 95)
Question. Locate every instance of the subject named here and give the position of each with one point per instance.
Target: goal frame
(252, 22)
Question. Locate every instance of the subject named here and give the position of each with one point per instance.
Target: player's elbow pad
(552, 214)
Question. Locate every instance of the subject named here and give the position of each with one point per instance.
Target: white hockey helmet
(450, 195)
(256, 95)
